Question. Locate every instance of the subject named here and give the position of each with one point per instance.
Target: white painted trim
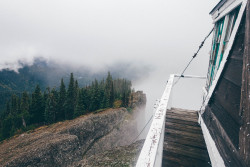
(191, 76)
(215, 157)
(228, 9)
(204, 91)
(222, 7)
(151, 154)
(221, 43)
(224, 59)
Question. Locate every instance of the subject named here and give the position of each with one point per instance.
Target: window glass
(215, 48)
(231, 22)
(222, 32)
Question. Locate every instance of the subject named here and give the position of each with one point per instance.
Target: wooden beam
(244, 137)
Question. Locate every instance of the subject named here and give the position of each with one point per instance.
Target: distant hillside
(50, 73)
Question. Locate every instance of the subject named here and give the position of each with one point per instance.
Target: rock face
(79, 140)
(63, 143)
(137, 99)
(119, 156)
(123, 134)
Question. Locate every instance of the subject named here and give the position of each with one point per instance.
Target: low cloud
(144, 40)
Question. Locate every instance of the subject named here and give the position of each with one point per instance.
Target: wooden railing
(151, 153)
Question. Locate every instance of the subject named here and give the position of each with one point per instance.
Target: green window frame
(222, 33)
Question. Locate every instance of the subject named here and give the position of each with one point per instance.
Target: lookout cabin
(218, 134)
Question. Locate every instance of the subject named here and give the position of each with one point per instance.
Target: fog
(161, 35)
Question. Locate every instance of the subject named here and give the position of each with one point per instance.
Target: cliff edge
(66, 143)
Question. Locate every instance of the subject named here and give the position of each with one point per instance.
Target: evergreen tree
(14, 105)
(70, 100)
(102, 94)
(87, 98)
(24, 107)
(80, 108)
(95, 99)
(51, 106)
(109, 88)
(6, 111)
(60, 115)
(55, 106)
(37, 106)
(7, 127)
(105, 100)
(76, 91)
(112, 98)
(55, 97)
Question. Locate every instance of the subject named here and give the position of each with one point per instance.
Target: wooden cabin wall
(244, 143)
(222, 115)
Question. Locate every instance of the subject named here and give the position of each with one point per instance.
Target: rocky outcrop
(121, 135)
(63, 143)
(119, 156)
(137, 99)
(79, 140)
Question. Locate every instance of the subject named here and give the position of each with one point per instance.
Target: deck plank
(184, 144)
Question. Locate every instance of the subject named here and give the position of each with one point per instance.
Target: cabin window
(215, 48)
(222, 32)
(230, 24)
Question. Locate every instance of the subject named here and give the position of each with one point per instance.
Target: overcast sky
(159, 34)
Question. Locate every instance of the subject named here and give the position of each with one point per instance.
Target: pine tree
(80, 108)
(70, 100)
(37, 106)
(95, 99)
(109, 88)
(76, 91)
(14, 104)
(50, 109)
(24, 107)
(7, 127)
(87, 98)
(102, 94)
(112, 96)
(60, 115)
(105, 100)
(7, 110)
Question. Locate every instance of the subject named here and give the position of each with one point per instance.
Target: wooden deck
(184, 145)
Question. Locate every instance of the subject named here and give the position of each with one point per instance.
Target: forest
(30, 110)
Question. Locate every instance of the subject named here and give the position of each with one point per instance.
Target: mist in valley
(141, 40)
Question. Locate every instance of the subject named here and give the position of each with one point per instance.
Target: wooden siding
(184, 144)
(244, 144)
(221, 115)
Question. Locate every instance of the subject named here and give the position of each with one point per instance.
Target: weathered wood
(183, 142)
(238, 46)
(244, 136)
(182, 121)
(177, 133)
(187, 128)
(227, 92)
(189, 141)
(177, 160)
(222, 114)
(192, 152)
(184, 117)
(233, 74)
(227, 150)
(226, 123)
(182, 111)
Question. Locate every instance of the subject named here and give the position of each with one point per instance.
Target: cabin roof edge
(221, 3)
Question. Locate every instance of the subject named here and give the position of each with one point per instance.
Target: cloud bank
(151, 37)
